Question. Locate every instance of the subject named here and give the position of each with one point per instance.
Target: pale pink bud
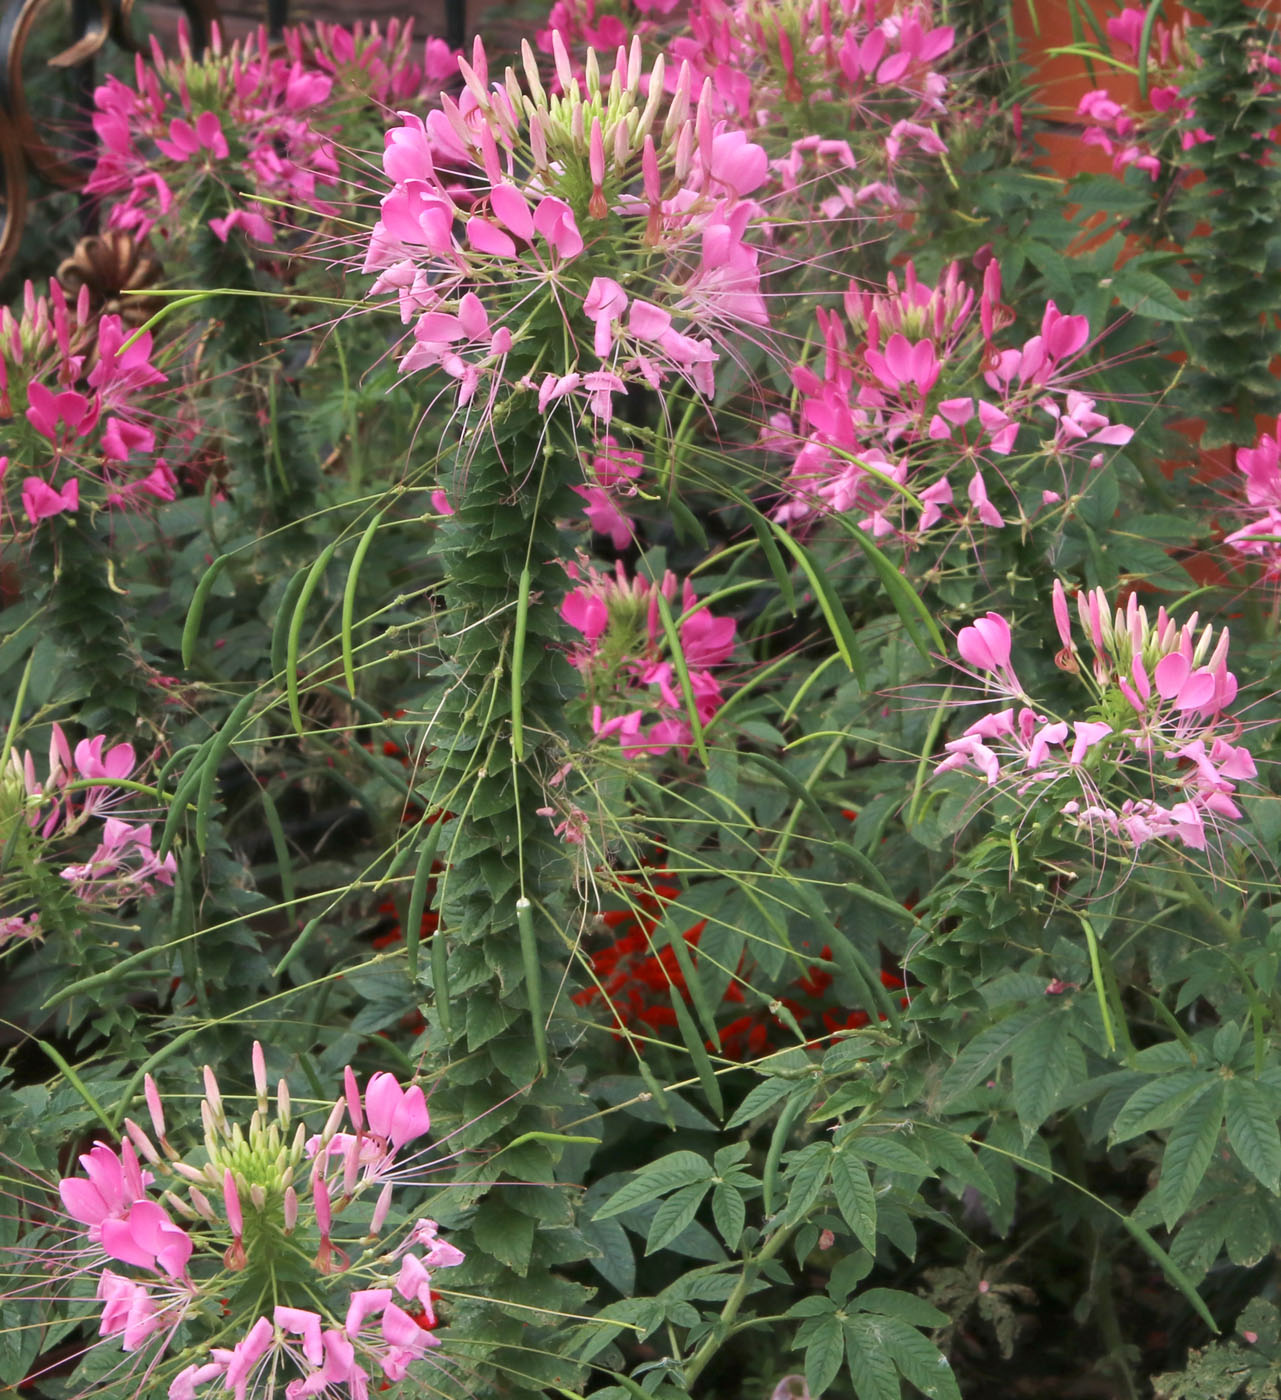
(532, 80)
(351, 1166)
(231, 1200)
(213, 1097)
(142, 1142)
(649, 171)
(380, 1209)
(154, 1106)
(283, 1105)
(678, 111)
(1062, 618)
(596, 154)
(260, 1075)
(320, 1195)
(351, 1090)
(290, 1209)
(202, 1205)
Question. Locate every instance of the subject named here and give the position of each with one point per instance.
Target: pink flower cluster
(80, 787)
(73, 391)
(1155, 757)
(1260, 539)
(365, 1314)
(863, 72)
(912, 387)
(623, 658)
(868, 80)
(1132, 138)
(610, 474)
(261, 121)
(500, 198)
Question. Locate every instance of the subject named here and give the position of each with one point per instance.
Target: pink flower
(115, 1183)
(128, 1309)
(147, 1238)
(185, 141)
(41, 501)
(605, 517)
(395, 1114)
(46, 410)
(246, 1354)
(604, 303)
(305, 1324)
(255, 226)
(364, 1304)
(554, 219)
(987, 512)
(440, 1254)
(985, 645)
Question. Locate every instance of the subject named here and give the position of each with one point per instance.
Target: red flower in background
(635, 982)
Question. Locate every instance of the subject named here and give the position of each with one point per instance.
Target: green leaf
(614, 1261)
(674, 1215)
(824, 1352)
(760, 1099)
(830, 605)
(855, 1197)
(805, 1180)
(920, 1361)
(1159, 1102)
(1046, 1057)
(891, 1154)
(1187, 1154)
(505, 1234)
(729, 1213)
(1148, 295)
(982, 1055)
(669, 1173)
(1252, 1131)
(892, 1302)
(872, 1368)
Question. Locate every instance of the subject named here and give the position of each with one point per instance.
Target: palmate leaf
(1187, 1153)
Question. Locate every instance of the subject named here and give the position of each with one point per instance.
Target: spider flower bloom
(499, 199)
(1154, 756)
(910, 381)
(190, 1243)
(1260, 538)
(81, 421)
(623, 657)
